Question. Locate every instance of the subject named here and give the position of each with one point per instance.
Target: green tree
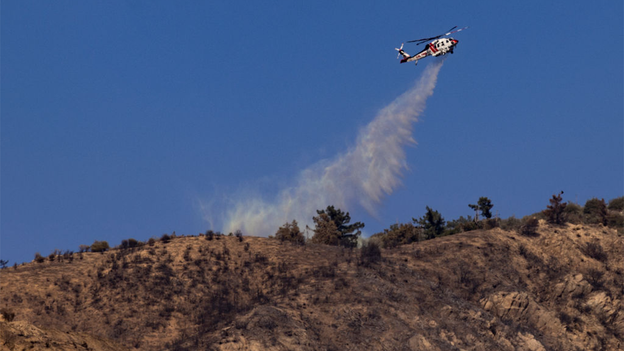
(325, 231)
(290, 232)
(484, 205)
(432, 223)
(349, 233)
(554, 211)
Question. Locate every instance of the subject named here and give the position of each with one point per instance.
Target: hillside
(479, 290)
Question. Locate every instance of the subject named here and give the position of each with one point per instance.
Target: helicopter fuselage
(441, 46)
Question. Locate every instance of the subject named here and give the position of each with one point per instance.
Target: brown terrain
(481, 290)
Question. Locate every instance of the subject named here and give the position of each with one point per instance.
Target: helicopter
(439, 46)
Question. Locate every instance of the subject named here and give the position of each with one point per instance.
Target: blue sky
(119, 119)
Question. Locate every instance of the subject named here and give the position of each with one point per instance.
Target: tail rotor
(399, 50)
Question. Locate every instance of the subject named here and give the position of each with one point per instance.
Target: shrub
(151, 241)
(99, 246)
(594, 250)
(290, 232)
(530, 226)
(165, 238)
(491, 223)
(616, 220)
(132, 243)
(84, 248)
(8, 315)
(511, 223)
(398, 234)
(239, 235)
(457, 225)
(617, 204)
(370, 253)
(471, 225)
(39, 258)
(209, 235)
(3, 263)
(594, 277)
(573, 213)
(595, 211)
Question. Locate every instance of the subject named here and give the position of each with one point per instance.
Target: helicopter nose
(454, 41)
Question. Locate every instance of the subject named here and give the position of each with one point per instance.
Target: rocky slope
(482, 290)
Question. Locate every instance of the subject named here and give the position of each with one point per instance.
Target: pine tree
(432, 223)
(554, 211)
(349, 233)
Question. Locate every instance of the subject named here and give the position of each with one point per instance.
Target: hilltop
(560, 289)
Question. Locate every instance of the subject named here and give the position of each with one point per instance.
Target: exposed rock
(20, 335)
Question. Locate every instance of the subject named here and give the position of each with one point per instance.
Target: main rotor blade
(449, 31)
(424, 39)
(459, 30)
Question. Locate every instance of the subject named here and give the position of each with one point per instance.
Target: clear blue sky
(118, 119)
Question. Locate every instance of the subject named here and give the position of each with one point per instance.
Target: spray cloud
(364, 174)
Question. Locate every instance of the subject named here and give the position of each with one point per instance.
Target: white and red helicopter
(439, 46)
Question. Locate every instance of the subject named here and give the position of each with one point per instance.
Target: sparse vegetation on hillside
(193, 293)
(220, 292)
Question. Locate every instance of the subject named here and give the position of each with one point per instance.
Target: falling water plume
(364, 174)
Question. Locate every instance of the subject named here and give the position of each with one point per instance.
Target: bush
(595, 211)
(290, 232)
(491, 223)
(511, 223)
(616, 220)
(39, 258)
(617, 204)
(84, 248)
(530, 226)
(573, 213)
(99, 246)
(398, 234)
(165, 238)
(370, 253)
(8, 315)
(132, 243)
(594, 277)
(239, 235)
(209, 235)
(594, 250)
(151, 241)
